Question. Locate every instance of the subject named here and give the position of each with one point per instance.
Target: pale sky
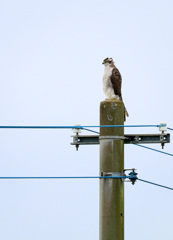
(51, 72)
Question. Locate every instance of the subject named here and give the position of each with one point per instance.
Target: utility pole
(111, 164)
(112, 140)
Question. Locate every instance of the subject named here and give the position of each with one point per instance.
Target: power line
(85, 128)
(139, 144)
(155, 184)
(87, 177)
(170, 129)
(136, 144)
(76, 127)
(90, 130)
(153, 149)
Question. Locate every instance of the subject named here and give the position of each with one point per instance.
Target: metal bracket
(112, 137)
(162, 129)
(113, 174)
(132, 176)
(127, 138)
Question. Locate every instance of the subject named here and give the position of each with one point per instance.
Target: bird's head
(108, 62)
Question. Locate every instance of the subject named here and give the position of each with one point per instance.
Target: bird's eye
(110, 61)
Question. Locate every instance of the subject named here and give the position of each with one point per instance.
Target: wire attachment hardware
(132, 175)
(162, 128)
(77, 131)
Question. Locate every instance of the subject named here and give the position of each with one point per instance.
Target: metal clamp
(111, 174)
(162, 128)
(112, 138)
(132, 175)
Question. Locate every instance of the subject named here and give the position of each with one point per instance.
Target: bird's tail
(125, 113)
(125, 110)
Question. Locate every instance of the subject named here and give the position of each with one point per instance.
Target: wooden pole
(111, 163)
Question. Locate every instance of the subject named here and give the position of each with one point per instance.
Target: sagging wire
(155, 184)
(153, 149)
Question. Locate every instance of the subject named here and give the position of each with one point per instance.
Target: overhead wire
(85, 128)
(87, 177)
(71, 177)
(154, 184)
(76, 127)
(153, 149)
(90, 130)
(141, 146)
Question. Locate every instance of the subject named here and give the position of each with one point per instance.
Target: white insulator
(163, 128)
(77, 130)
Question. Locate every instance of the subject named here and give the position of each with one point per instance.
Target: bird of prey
(112, 82)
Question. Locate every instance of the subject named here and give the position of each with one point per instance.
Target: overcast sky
(51, 74)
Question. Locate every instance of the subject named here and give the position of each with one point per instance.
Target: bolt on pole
(111, 164)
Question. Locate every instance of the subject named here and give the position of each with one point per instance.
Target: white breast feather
(107, 84)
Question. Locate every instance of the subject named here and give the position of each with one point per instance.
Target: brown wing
(116, 80)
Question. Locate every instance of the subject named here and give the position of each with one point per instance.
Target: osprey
(112, 82)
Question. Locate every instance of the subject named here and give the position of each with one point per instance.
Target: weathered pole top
(111, 112)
